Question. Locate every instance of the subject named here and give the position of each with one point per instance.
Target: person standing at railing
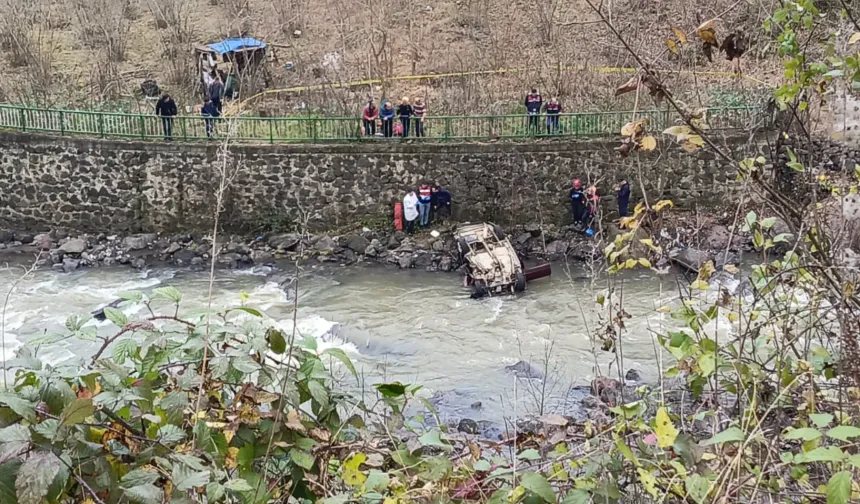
(534, 103)
(209, 113)
(369, 116)
(420, 111)
(387, 116)
(166, 109)
(553, 109)
(216, 92)
(405, 112)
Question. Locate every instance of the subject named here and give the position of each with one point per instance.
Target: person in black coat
(623, 191)
(209, 113)
(578, 204)
(166, 109)
(440, 203)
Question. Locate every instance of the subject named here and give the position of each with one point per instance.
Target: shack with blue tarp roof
(233, 59)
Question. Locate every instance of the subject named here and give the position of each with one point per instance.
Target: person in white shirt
(410, 211)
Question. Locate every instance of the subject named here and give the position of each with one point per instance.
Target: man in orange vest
(424, 197)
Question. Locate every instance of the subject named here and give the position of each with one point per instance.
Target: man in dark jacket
(209, 113)
(578, 203)
(166, 108)
(216, 92)
(623, 191)
(440, 203)
(534, 103)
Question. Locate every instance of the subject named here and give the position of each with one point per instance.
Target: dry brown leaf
(648, 144)
(682, 37)
(677, 130)
(294, 421)
(670, 43)
(633, 128)
(854, 38)
(696, 140)
(628, 86)
(707, 33)
(689, 147)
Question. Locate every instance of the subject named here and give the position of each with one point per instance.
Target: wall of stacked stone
(114, 186)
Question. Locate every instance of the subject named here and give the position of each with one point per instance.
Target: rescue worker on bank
(623, 191)
(578, 204)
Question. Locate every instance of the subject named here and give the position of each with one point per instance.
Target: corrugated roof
(236, 44)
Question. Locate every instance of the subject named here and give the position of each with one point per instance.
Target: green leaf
(13, 440)
(697, 487)
(186, 479)
(139, 477)
(310, 343)
(768, 222)
(168, 293)
(35, 476)
(707, 363)
(530, 454)
(133, 296)
(145, 494)
(302, 459)
(665, 429)
(170, 434)
(123, 349)
(843, 432)
(250, 311)
(828, 454)
(538, 485)
(238, 485)
(245, 365)
(117, 317)
(394, 389)
(433, 438)
(8, 473)
(48, 428)
(649, 482)
(318, 392)
(20, 406)
(727, 436)
(340, 355)
(215, 491)
(578, 496)
(839, 488)
(626, 451)
(77, 411)
(484, 466)
(805, 433)
(276, 341)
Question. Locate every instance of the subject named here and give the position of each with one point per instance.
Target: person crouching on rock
(410, 211)
(578, 204)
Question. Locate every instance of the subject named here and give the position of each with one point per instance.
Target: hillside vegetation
(96, 53)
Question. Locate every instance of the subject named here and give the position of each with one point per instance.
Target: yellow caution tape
(371, 82)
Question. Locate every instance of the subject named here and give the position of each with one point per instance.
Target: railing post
(62, 123)
(101, 124)
(314, 129)
(447, 128)
(142, 126)
(271, 132)
(23, 119)
(184, 129)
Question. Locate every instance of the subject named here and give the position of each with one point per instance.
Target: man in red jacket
(371, 113)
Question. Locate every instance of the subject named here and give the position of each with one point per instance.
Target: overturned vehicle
(491, 262)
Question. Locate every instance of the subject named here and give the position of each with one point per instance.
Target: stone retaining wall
(113, 186)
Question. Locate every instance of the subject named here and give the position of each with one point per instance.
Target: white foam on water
(495, 305)
(321, 330)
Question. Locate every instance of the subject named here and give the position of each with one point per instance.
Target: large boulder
(284, 241)
(326, 245)
(556, 249)
(74, 246)
(717, 237)
(405, 261)
(692, 258)
(183, 257)
(138, 242)
(7, 237)
(70, 264)
(357, 243)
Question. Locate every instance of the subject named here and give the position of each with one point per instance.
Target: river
(410, 326)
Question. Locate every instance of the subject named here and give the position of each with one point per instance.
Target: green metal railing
(339, 129)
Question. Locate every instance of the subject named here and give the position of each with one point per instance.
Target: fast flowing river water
(415, 327)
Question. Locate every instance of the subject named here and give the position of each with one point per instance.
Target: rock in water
(70, 264)
(607, 389)
(285, 241)
(692, 258)
(74, 246)
(183, 257)
(468, 426)
(632, 375)
(99, 313)
(405, 261)
(717, 237)
(138, 242)
(524, 370)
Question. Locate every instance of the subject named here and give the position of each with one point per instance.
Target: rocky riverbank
(684, 242)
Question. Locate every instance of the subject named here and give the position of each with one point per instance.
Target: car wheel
(479, 290)
(520, 286)
(500, 234)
